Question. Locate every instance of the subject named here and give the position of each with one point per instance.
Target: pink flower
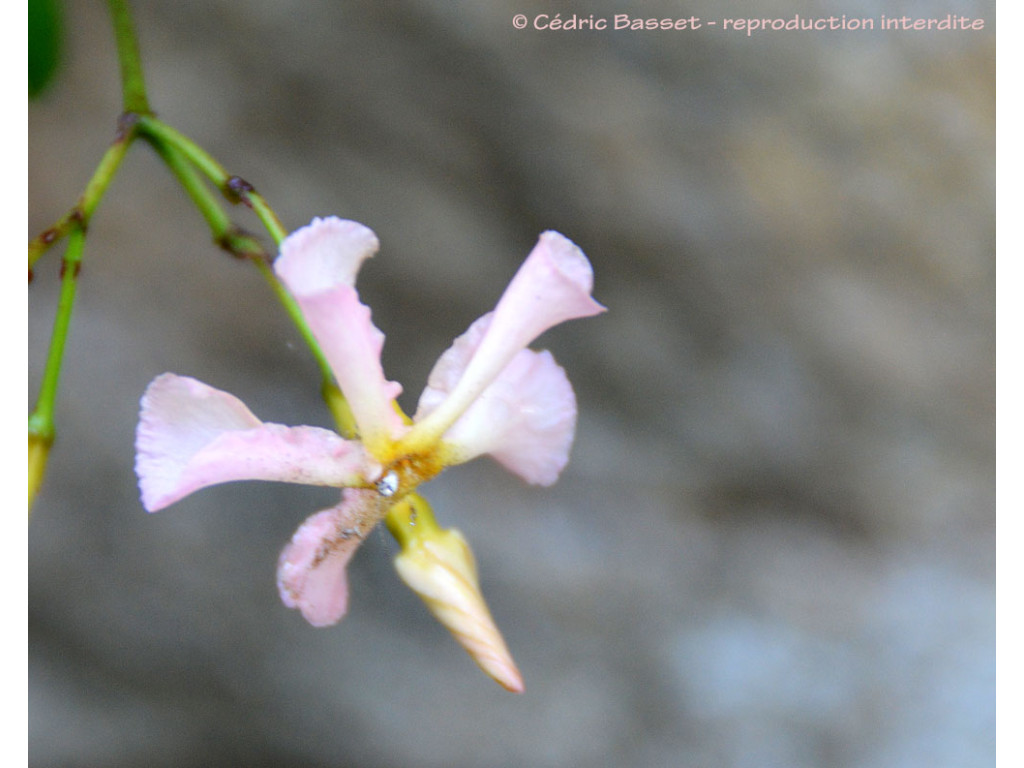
(487, 394)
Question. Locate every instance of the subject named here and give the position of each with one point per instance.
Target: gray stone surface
(774, 545)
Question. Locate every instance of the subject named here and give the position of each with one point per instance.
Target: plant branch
(133, 86)
(234, 188)
(188, 162)
(40, 423)
(234, 240)
(41, 430)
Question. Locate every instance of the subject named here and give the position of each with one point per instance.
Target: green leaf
(44, 43)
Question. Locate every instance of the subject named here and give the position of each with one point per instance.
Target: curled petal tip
(568, 259)
(553, 285)
(325, 253)
(572, 270)
(319, 264)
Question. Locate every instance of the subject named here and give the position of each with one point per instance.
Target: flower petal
(325, 253)
(311, 570)
(191, 436)
(553, 285)
(319, 263)
(525, 419)
(352, 345)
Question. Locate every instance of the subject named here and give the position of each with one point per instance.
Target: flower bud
(438, 565)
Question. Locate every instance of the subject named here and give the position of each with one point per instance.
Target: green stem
(179, 152)
(156, 129)
(224, 232)
(40, 422)
(264, 213)
(186, 160)
(295, 313)
(133, 86)
(234, 188)
(231, 238)
(340, 409)
(73, 225)
(411, 520)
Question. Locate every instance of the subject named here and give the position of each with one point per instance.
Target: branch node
(237, 190)
(126, 126)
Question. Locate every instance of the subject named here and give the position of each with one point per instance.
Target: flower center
(388, 484)
(406, 474)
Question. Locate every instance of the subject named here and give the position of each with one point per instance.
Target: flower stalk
(41, 428)
(133, 85)
(185, 159)
(234, 188)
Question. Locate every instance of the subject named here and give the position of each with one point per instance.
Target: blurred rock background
(774, 545)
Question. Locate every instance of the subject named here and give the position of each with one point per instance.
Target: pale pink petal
(311, 570)
(352, 345)
(325, 253)
(553, 285)
(319, 263)
(525, 419)
(191, 436)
